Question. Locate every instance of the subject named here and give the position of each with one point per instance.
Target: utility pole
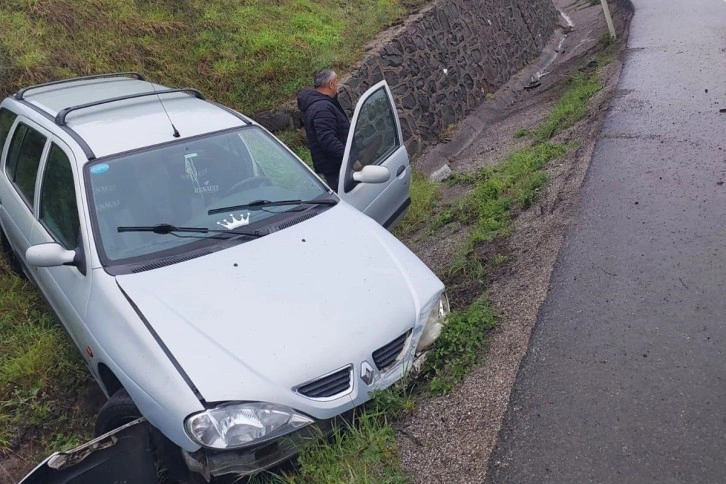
(608, 18)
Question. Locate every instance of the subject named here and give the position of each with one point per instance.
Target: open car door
(375, 176)
(122, 455)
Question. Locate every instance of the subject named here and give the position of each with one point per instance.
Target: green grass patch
(425, 195)
(570, 108)
(361, 451)
(488, 205)
(40, 372)
(458, 348)
(252, 55)
(498, 190)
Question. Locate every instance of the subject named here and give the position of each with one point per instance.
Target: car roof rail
(60, 118)
(21, 93)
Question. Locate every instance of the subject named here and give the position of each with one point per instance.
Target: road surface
(625, 376)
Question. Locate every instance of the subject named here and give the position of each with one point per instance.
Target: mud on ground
(450, 439)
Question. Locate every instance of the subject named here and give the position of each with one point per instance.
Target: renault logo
(366, 373)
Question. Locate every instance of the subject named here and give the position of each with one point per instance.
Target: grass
(570, 108)
(252, 55)
(502, 189)
(362, 450)
(40, 372)
(425, 196)
(457, 350)
(497, 190)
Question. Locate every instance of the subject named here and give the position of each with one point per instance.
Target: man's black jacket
(326, 125)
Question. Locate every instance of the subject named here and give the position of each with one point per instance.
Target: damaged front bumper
(251, 460)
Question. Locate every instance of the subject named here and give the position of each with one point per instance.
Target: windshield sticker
(234, 222)
(102, 207)
(99, 169)
(206, 188)
(192, 173)
(98, 189)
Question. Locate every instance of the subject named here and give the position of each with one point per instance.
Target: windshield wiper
(164, 229)
(257, 204)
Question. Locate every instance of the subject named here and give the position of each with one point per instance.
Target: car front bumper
(252, 460)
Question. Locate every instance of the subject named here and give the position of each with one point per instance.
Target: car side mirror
(372, 174)
(49, 255)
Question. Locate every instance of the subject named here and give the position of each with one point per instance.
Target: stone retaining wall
(442, 63)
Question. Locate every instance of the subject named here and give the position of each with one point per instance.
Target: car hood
(260, 318)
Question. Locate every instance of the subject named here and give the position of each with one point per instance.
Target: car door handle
(400, 171)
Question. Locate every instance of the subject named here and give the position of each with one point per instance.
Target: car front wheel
(117, 411)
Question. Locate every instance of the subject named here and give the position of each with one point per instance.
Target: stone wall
(442, 63)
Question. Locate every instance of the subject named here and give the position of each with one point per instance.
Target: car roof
(129, 124)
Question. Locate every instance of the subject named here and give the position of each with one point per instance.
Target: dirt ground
(449, 439)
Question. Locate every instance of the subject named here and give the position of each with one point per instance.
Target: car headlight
(239, 424)
(435, 323)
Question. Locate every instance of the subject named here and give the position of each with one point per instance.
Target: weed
(499, 259)
(457, 349)
(570, 108)
(521, 133)
(425, 194)
(361, 451)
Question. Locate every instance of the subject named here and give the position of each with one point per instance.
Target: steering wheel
(251, 182)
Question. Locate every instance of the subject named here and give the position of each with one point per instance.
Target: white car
(212, 282)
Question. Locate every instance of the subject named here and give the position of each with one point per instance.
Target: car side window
(6, 121)
(58, 208)
(376, 134)
(26, 149)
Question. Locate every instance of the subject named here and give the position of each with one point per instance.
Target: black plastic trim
(21, 93)
(163, 347)
(386, 355)
(397, 213)
(60, 118)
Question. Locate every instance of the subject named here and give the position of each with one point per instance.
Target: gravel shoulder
(450, 439)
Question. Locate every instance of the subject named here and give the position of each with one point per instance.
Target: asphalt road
(625, 377)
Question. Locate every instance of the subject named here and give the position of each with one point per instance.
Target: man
(326, 125)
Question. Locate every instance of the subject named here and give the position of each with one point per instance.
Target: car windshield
(178, 184)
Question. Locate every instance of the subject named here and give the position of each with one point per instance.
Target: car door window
(376, 133)
(6, 122)
(26, 149)
(58, 208)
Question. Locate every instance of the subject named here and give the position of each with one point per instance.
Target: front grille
(329, 385)
(386, 355)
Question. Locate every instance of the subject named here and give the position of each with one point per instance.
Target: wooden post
(608, 18)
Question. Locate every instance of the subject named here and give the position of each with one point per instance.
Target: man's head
(326, 82)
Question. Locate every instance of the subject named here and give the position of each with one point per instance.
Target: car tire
(10, 256)
(117, 411)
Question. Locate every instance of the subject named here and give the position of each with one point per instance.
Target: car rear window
(26, 149)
